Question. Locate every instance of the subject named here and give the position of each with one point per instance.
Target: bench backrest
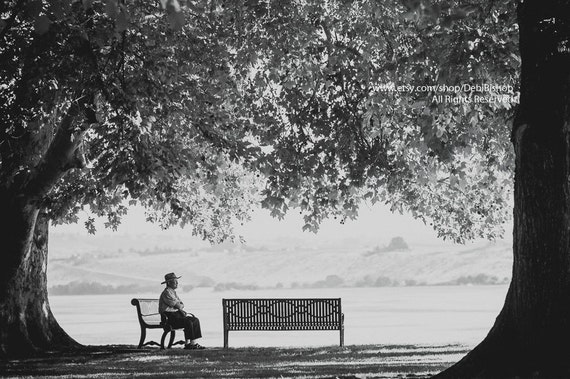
(147, 311)
(282, 314)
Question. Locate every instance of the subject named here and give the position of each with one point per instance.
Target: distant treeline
(95, 288)
(481, 279)
(334, 281)
(92, 288)
(383, 281)
(331, 281)
(235, 286)
(396, 244)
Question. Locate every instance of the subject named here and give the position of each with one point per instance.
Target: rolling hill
(141, 261)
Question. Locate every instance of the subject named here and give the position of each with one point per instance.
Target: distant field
(292, 267)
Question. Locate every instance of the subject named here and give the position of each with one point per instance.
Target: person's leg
(195, 332)
(178, 320)
(195, 327)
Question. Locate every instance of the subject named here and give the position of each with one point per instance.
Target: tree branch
(329, 40)
(354, 51)
(63, 153)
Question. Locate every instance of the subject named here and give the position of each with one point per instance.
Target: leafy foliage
(179, 106)
(154, 111)
(347, 135)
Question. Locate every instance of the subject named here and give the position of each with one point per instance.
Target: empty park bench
(149, 318)
(282, 315)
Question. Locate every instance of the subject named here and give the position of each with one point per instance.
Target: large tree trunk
(531, 335)
(27, 324)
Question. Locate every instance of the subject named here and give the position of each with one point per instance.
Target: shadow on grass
(355, 361)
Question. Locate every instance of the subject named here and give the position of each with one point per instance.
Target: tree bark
(32, 165)
(27, 325)
(531, 335)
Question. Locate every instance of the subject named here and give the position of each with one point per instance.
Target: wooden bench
(282, 314)
(149, 318)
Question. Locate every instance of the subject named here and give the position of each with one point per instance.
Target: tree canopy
(139, 111)
(180, 106)
(357, 87)
(198, 109)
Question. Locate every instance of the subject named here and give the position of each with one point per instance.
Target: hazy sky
(376, 223)
(375, 226)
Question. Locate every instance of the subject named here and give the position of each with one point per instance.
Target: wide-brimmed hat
(170, 276)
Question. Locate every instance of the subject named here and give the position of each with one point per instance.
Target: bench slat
(282, 314)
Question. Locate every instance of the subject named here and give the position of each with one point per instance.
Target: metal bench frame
(152, 321)
(282, 314)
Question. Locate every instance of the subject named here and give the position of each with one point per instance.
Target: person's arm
(170, 299)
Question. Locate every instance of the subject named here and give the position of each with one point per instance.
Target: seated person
(170, 306)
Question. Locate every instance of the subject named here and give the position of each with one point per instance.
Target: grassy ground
(369, 361)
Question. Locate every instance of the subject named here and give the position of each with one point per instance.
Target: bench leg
(226, 335)
(170, 340)
(166, 331)
(172, 335)
(341, 329)
(143, 336)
